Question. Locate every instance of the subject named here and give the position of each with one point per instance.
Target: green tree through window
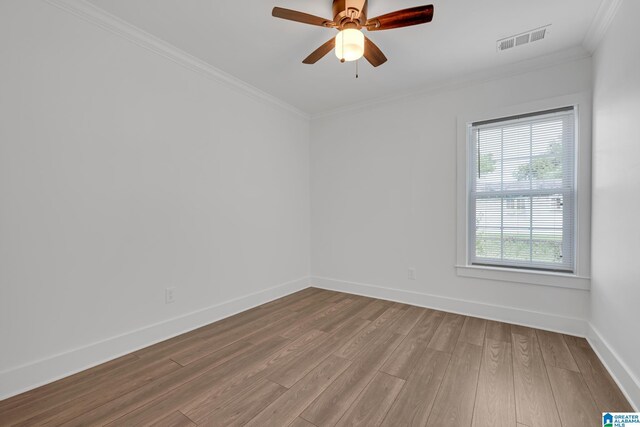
(548, 166)
(487, 164)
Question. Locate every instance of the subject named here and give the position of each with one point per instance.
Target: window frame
(569, 246)
(579, 279)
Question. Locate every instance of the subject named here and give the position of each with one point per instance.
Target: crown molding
(600, 24)
(491, 74)
(133, 34)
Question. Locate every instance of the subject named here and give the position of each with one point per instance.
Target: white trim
(457, 83)
(580, 280)
(600, 24)
(619, 371)
(34, 374)
(542, 278)
(129, 32)
(534, 319)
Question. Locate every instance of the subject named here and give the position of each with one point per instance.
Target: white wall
(383, 185)
(123, 173)
(615, 305)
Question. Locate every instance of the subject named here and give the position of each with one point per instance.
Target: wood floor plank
(332, 323)
(427, 325)
(168, 347)
(296, 296)
(276, 328)
(402, 362)
(41, 403)
(338, 296)
(215, 396)
(168, 385)
(523, 330)
(239, 320)
(225, 331)
(498, 331)
(209, 344)
(359, 341)
(555, 351)
(103, 392)
(373, 403)
(290, 373)
(175, 419)
(403, 306)
(318, 319)
(164, 348)
(495, 400)
(447, 333)
(535, 404)
(374, 309)
(455, 399)
(301, 422)
(213, 383)
(604, 389)
(285, 301)
(306, 304)
(573, 399)
(286, 408)
(576, 341)
(408, 320)
(75, 381)
(413, 405)
(246, 406)
(327, 409)
(473, 330)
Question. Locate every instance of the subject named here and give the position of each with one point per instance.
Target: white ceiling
(242, 39)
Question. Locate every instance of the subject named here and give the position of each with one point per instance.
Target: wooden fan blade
(401, 18)
(305, 18)
(317, 54)
(373, 54)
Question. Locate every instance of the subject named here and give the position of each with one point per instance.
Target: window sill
(542, 278)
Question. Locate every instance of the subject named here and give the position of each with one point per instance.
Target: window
(522, 192)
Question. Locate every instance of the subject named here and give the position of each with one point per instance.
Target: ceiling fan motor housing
(346, 17)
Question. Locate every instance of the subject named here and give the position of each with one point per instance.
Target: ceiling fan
(350, 17)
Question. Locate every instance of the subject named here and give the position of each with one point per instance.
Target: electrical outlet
(412, 274)
(169, 295)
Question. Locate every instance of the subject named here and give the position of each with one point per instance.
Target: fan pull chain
(342, 41)
(357, 61)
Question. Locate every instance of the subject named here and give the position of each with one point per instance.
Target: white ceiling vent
(523, 38)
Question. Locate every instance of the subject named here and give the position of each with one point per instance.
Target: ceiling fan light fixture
(350, 16)
(350, 44)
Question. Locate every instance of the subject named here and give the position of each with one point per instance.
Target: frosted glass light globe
(350, 44)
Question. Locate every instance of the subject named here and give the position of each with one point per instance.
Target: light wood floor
(321, 358)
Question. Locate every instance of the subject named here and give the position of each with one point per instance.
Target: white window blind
(522, 191)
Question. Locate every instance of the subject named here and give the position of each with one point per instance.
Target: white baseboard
(534, 319)
(31, 375)
(623, 376)
(35, 374)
